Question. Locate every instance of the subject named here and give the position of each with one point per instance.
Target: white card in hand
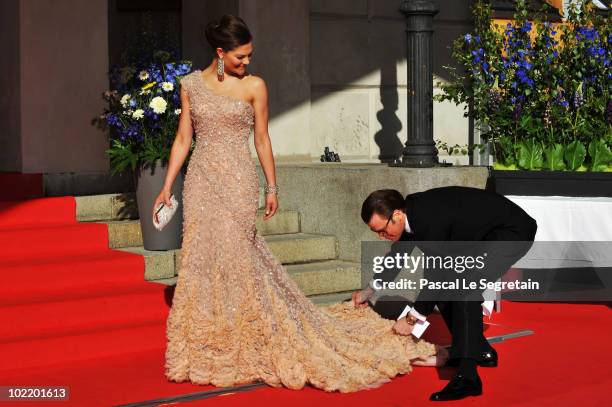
(419, 328)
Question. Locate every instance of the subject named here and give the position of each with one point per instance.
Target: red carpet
(560, 365)
(70, 305)
(77, 314)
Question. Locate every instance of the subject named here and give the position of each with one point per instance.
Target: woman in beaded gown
(237, 316)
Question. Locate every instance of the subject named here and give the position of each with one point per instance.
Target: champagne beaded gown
(237, 316)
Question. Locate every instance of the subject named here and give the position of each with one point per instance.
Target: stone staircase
(311, 260)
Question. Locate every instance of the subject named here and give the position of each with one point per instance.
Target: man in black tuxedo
(448, 214)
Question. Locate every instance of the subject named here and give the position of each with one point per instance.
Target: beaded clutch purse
(164, 213)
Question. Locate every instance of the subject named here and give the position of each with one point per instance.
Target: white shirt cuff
(421, 324)
(487, 308)
(371, 285)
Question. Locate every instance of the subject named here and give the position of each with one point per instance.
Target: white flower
(143, 75)
(125, 99)
(144, 92)
(158, 104)
(167, 86)
(177, 111)
(138, 114)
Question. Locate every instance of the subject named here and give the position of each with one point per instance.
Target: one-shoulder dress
(237, 316)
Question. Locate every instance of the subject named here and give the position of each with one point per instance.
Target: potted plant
(541, 95)
(143, 118)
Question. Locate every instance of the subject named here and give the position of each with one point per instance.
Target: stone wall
(328, 196)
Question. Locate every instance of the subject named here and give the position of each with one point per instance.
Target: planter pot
(550, 183)
(149, 180)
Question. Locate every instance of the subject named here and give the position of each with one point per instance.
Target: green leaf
(500, 166)
(600, 154)
(554, 157)
(530, 154)
(575, 154)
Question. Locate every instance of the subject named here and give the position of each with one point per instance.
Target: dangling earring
(220, 70)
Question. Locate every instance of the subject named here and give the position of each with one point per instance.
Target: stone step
(111, 208)
(334, 298)
(325, 282)
(326, 277)
(288, 248)
(302, 247)
(159, 265)
(127, 233)
(106, 207)
(283, 222)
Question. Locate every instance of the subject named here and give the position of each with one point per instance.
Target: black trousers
(464, 321)
(464, 318)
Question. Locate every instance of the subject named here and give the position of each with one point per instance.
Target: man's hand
(402, 327)
(361, 297)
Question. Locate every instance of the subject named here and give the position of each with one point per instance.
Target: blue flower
(468, 38)
(524, 78)
(526, 27)
(113, 120)
(524, 64)
(588, 34)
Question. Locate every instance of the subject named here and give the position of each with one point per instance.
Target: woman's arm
(182, 142)
(263, 146)
(178, 154)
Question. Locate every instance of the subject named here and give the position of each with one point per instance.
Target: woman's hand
(360, 298)
(437, 360)
(164, 196)
(271, 205)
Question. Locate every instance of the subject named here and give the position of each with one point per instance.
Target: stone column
(420, 150)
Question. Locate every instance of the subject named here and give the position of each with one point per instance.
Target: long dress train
(237, 316)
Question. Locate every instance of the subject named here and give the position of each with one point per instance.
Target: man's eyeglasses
(383, 231)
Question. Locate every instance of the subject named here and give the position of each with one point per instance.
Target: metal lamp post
(420, 150)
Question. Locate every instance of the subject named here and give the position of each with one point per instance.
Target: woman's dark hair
(227, 33)
(382, 202)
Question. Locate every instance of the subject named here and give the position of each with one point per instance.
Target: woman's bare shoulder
(255, 83)
(187, 78)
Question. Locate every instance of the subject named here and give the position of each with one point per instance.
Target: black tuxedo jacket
(462, 214)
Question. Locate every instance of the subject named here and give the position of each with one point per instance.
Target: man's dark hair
(382, 202)
(227, 33)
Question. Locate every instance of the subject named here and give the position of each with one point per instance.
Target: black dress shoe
(458, 388)
(487, 359)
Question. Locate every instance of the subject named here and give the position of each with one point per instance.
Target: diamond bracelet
(271, 189)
